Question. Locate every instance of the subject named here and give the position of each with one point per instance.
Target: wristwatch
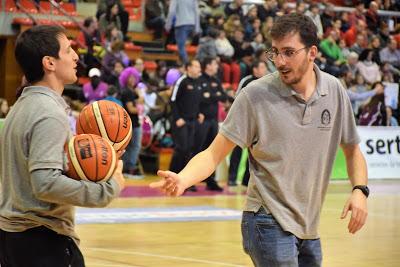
(363, 189)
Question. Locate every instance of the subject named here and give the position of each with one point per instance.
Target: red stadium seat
(136, 3)
(131, 46)
(190, 49)
(150, 65)
(22, 21)
(47, 8)
(69, 8)
(29, 6)
(126, 3)
(135, 13)
(10, 6)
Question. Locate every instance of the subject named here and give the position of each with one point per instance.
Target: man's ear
(48, 63)
(313, 52)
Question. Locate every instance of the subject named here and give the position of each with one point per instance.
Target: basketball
(90, 157)
(107, 119)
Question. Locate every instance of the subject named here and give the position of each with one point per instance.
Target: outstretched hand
(170, 184)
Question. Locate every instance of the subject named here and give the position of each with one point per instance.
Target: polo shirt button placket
(306, 115)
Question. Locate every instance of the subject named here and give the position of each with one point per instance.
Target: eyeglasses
(286, 54)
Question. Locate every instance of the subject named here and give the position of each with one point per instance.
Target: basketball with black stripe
(107, 119)
(90, 157)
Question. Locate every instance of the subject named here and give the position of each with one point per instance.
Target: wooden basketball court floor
(218, 243)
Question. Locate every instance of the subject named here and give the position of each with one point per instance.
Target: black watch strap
(363, 189)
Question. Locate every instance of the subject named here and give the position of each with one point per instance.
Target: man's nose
(76, 57)
(279, 60)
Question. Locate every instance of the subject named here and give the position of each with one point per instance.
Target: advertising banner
(381, 148)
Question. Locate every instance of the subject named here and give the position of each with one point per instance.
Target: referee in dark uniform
(185, 102)
(211, 93)
(258, 69)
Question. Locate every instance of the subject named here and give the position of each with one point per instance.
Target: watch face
(367, 189)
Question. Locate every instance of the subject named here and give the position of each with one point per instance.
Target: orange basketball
(90, 157)
(107, 119)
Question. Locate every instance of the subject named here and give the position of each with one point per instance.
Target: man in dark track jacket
(212, 92)
(185, 102)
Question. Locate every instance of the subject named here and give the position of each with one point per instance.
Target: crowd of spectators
(360, 47)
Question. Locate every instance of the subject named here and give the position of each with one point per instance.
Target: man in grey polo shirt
(292, 121)
(36, 199)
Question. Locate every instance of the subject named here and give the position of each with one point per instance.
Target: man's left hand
(357, 204)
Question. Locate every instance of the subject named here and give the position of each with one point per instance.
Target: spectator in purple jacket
(95, 89)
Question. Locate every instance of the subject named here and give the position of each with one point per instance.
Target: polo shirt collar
(30, 90)
(286, 91)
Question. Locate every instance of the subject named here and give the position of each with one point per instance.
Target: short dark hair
(207, 61)
(295, 23)
(213, 32)
(34, 44)
(190, 63)
(88, 21)
(256, 64)
(364, 54)
(111, 90)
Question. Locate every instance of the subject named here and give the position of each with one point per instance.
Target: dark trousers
(124, 18)
(183, 139)
(234, 162)
(38, 247)
(205, 134)
(156, 24)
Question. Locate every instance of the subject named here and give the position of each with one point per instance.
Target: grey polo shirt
(292, 145)
(34, 192)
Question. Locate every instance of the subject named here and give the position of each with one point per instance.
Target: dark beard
(302, 71)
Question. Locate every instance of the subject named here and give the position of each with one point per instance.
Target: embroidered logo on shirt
(190, 87)
(325, 120)
(325, 117)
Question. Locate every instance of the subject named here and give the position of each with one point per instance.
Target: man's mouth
(284, 72)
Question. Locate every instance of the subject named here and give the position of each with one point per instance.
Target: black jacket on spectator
(263, 13)
(241, 52)
(185, 99)
(211, 93)
(326, 21)
(130, 96)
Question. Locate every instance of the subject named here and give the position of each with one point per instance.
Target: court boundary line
(112, 265)
(117, 251)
